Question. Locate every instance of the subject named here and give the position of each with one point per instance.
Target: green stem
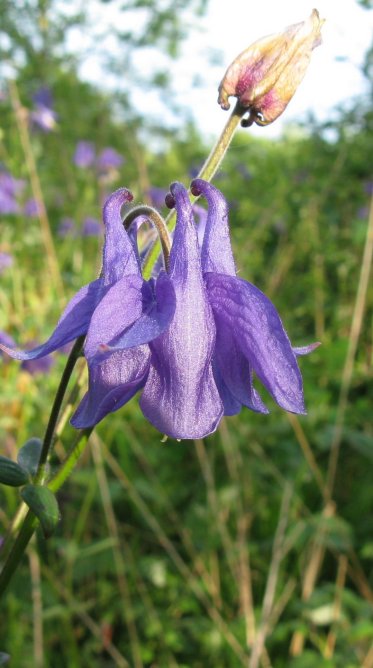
(67, 467)
(28, 527)
(49, 432)
(207, 172)
(218, 152)
(30, 522)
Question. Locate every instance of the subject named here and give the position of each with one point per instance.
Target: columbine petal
(180, 396)
(111, 384)
(132, 313)
(73, 323)
(260, 335)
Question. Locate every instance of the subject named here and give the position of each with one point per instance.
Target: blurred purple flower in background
(43, 117)
(6, 261)
(195, 170)
(108, 159)
(85, 154)
(363, 212)
(9, 189)
(43, 97)
(91, 227)
(10, 185)
(66, 228)
(244, 171)
(368, 187)
(31, 208)
(156, 196)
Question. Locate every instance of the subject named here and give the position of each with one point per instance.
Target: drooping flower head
(265, 76)
(190, 338)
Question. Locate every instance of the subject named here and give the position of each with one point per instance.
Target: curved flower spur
(119, 264)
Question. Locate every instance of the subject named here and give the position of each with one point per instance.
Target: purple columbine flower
(109, 159)
(201, 366)
(118, 264)
(84, 155)
(6, 261)
(91, 227)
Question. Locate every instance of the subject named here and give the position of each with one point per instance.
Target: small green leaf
(44, 505)
(12, 473)
(29, 454)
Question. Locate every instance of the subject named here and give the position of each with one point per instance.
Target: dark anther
(169, 201)
(194, 190)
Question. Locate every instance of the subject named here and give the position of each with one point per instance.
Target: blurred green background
(253, 547)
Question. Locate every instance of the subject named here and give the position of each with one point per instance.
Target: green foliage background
(216, 552)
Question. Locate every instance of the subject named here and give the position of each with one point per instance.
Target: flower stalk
(207, 172)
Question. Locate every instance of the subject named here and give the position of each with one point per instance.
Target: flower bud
(265, 76)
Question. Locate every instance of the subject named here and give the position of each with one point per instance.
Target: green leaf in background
(11, 473)
(29, 454)
(44, 505)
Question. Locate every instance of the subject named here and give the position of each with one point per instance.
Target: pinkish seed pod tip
(266, 75)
